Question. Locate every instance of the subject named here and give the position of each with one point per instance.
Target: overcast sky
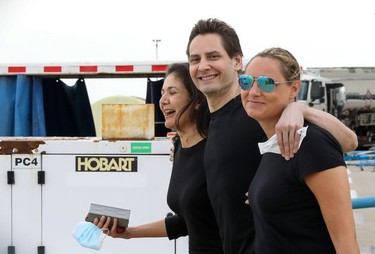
(329, 33)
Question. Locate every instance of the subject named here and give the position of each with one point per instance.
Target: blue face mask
(89, 235)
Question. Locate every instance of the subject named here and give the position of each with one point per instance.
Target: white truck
(346, 95)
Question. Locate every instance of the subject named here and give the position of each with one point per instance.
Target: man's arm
(292, 119)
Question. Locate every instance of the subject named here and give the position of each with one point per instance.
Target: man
(232, 154)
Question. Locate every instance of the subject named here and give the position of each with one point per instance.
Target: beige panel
(128, 121)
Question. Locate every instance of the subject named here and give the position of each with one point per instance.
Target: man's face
(211, 68)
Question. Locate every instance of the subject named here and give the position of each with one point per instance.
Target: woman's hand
(115, 230)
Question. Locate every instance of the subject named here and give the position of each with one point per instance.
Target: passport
(97, 211)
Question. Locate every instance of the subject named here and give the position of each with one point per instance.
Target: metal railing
(363, 202)
(361, 159)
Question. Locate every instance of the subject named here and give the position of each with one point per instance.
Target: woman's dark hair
(197, 107)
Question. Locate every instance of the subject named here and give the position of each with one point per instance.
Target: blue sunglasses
(266, 84)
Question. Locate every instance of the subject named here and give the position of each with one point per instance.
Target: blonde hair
(289, 64)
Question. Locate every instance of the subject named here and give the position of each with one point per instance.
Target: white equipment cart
(47, 186)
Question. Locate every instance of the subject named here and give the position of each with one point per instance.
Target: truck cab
(322, 94)
(358, 113)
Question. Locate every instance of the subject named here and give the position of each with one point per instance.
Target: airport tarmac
(363, 185)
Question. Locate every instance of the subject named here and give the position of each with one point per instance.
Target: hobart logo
(106, 164)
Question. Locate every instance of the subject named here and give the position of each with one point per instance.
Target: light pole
(156, 46)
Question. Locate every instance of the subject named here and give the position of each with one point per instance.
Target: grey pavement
(363, 185)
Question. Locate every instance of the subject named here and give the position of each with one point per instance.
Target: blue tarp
(21, 106)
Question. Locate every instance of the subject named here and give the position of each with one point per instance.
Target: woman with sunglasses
(302, 205)
(185, 110)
